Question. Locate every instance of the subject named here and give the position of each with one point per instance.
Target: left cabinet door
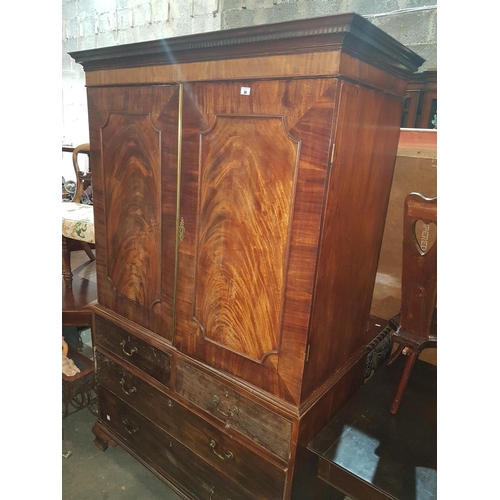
(134, 153)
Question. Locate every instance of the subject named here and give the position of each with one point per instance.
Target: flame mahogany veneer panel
(253, 183)
(241, 181)
(134, 134)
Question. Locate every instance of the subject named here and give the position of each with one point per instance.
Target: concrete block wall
(99, 23)
(88, 24)
(412, 22)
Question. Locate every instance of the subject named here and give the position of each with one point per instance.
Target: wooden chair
(78, 216)
(416, 325)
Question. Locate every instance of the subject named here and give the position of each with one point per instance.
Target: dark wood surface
(133, 135)
(421, 101)
(350, 31)
(368, 453)
(78, 300)
(213, 445)
(417, 323)
(239, 231)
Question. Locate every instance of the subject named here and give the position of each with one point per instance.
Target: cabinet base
(102, 439)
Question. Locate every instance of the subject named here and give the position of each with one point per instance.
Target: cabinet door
(134, 152)
(254, 164)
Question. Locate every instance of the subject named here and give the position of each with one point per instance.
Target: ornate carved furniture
(416, 328)
(77, 217)
(241, 180)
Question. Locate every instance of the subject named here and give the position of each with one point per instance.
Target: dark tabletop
(394, 454)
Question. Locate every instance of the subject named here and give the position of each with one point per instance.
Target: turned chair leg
(395, 354)
(405, 377)
(66, 263)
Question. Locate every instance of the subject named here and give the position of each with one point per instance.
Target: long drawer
(268, 429)
(165, 454)
(225, 454)
(123, 344)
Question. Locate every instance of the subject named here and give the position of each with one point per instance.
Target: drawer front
(128, 347)
(165, 454)
(215, 447)
(269, 430)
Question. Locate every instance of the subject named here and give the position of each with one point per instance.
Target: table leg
(66, 263)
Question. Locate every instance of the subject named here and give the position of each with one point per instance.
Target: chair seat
(78, 221)
(414, 341)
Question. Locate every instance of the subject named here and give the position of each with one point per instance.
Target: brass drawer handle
(132, 351)
(211, 490)
(130, 430)
(130, 391)
(232, 410)
(227, 456)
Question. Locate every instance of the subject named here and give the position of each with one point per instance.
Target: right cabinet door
(255, 159)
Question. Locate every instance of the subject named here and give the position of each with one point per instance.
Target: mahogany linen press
(241, 181)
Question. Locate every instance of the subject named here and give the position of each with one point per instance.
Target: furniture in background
(241, 180)
(78, 390)
(79, 288)
(364, 452)
(77, 216)
(420, 107)
(415, 171)
(416, 327)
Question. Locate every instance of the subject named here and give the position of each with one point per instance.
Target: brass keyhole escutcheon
(233, 410)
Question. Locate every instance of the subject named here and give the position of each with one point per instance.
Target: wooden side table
(369, 454)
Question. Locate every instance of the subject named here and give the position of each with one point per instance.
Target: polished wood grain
(134, 157)
(149, 359)
(261, 425)
(224, 453)
(350, 32)
(419, 285)
(356, 205)
(167, 456)
(242, 185)
(416, 327)
(244, 205)
(273, 238)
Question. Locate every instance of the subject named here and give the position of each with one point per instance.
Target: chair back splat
(416, 325)
(419, 279)
(83, 179)
(78, 216)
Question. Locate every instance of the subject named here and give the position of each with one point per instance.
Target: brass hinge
(333, 152)
(182, 229)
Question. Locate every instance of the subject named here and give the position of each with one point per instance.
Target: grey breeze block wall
(90, 24)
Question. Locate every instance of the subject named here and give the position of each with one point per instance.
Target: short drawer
(228, 456)
(267, 429)
(165, 454)
(147, 358)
